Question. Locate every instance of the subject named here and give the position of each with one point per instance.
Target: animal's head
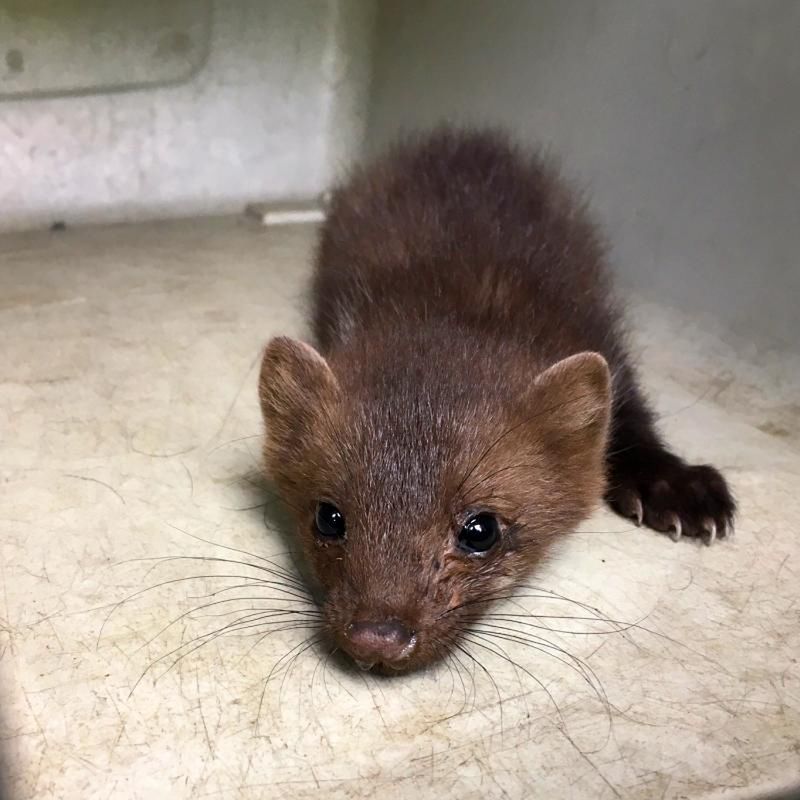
(418, 497)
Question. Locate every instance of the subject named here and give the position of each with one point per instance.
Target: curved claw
(639, 515)
(675, 527)
(709, 527)
(728, 531)
(629, 505)
(364, 665)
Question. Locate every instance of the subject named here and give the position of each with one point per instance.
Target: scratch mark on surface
(55, 633)
(102, 483)
(200, 709)
(781, 566)
(35, 381)
(233, 402)
(121, 732)
(246, 775)
(234, 441)
(172, 454)
(191, 479)
(744, 605)
(36, 719)
(591, 763)
(8, 628)
(597, 649)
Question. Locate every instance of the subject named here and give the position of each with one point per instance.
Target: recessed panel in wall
(54, 47)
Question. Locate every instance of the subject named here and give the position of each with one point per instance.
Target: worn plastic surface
(129, 425)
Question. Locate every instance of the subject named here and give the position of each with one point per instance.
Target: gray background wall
(682, 116)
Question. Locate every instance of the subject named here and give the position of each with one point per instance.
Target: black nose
(385, 642)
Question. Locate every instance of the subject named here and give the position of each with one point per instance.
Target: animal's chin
(419, 659)
(388, 669)
(385, 667)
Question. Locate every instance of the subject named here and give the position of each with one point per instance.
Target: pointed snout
(386, 642)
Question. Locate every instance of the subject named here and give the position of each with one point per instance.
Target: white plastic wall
(681, 116)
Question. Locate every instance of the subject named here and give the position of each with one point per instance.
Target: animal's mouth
(384, 668)
(397, 663)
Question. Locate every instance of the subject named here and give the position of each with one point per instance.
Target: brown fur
(468, 339)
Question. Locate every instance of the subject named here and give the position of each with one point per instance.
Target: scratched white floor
(126, 387)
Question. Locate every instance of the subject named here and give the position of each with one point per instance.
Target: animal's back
(463, 226)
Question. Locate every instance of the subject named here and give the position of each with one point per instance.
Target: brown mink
(471, 399)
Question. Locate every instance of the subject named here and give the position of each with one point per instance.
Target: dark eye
(479, 534)
(329, 521)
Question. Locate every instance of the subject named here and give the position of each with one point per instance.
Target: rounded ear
(295, 380)
(574, 396)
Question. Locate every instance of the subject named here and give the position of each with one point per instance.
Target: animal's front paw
(663, 492)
